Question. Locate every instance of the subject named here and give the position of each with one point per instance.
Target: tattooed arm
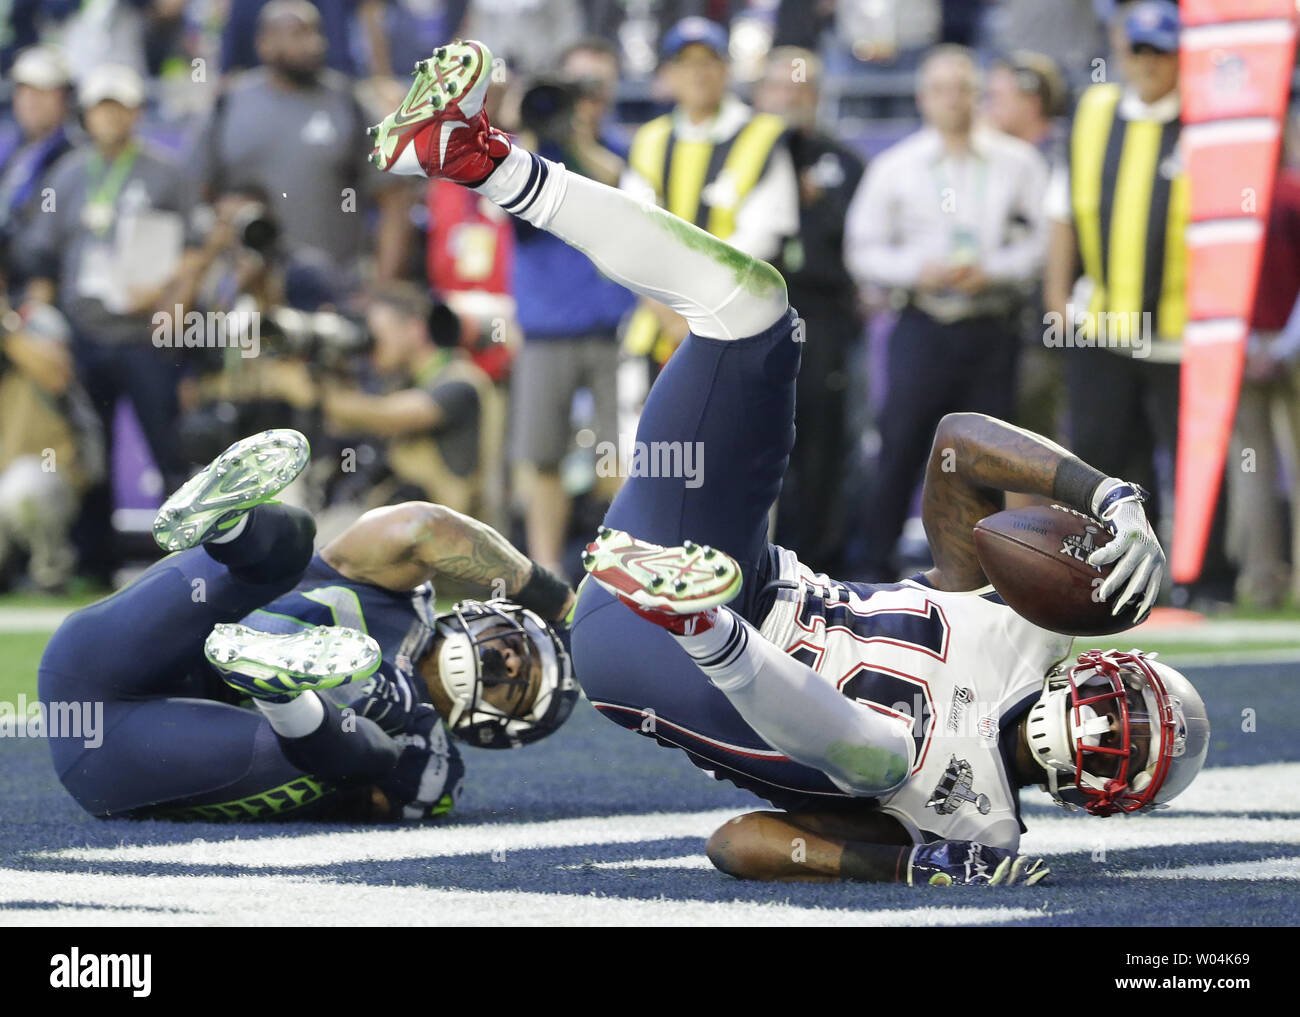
(974, 462)
(401, 546)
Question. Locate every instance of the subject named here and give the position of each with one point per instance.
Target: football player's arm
(976, 460)
(401, 546)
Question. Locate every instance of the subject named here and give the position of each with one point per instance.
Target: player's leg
(441, 131)
(637, 675)
(716, 431)
(183, 756)
(721, 413)
(864, 847)
(812, 847)
(186, 758)
(790, 706)
(135, 660)
(236, 554)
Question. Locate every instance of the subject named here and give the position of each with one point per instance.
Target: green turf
(68, 600)
(20, 654)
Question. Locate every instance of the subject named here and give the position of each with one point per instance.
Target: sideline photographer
(438, 414)
(252, 371)
(51, 447)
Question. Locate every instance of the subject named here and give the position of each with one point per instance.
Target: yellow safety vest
(702, 182)
(1129, 198)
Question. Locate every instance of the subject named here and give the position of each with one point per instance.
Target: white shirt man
(920, 203)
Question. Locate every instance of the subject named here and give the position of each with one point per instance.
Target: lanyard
(103, 183)
(966, 232)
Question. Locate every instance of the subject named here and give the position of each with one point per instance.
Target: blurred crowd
(195, 246)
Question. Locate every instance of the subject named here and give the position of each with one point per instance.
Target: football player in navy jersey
(246, 677)
(891, 725)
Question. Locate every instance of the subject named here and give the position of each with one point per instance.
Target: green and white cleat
(252, 471)
(450, 85)
(680, 580)
(275, 667)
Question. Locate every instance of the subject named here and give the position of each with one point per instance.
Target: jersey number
(923, 630)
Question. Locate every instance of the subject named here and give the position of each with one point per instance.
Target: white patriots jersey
(956, 665)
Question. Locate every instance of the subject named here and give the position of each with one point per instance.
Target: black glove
(387, 698)
(426, 780)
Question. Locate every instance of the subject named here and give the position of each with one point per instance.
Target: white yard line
(1266, 868)
(32, 619)
(684, 862)
(95, 898)
(1217, 808)
(495, 839)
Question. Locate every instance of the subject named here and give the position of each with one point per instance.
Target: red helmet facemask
(1110, 731)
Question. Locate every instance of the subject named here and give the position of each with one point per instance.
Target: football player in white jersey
(890, 724)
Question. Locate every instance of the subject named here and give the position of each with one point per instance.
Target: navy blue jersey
(324, 596)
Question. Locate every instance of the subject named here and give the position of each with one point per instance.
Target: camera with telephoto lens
(256, 229)
(329, 341)
(546, 108)
(466, 329)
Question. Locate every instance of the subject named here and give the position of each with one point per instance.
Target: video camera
(546, 109)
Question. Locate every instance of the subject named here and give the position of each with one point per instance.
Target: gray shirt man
(306, 148)
(73, 242)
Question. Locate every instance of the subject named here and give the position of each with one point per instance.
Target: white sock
(526, 185)
(711, 642)
(721, 292)
(795, 710)
(232, 533)
(297, 718)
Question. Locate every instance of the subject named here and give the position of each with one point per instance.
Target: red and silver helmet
(1118, 732)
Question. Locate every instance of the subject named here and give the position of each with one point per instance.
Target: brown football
(1036, 558)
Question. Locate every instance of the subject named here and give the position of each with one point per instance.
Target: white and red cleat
(440, 129)
(677, 588)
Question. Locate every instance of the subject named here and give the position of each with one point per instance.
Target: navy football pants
(736, 399)
(139, 653)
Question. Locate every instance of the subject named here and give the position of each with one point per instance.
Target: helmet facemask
(1109, 730)
(476, 637)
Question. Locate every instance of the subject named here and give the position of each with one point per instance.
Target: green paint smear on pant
(757, 277)
(876, 766)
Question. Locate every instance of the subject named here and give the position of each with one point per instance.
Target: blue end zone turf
(1238, 823)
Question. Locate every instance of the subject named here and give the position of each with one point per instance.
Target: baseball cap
(691, 30)
(111, 81)
(40, 67)
(1153, 23)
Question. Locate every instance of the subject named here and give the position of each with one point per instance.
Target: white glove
(1138, 555)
